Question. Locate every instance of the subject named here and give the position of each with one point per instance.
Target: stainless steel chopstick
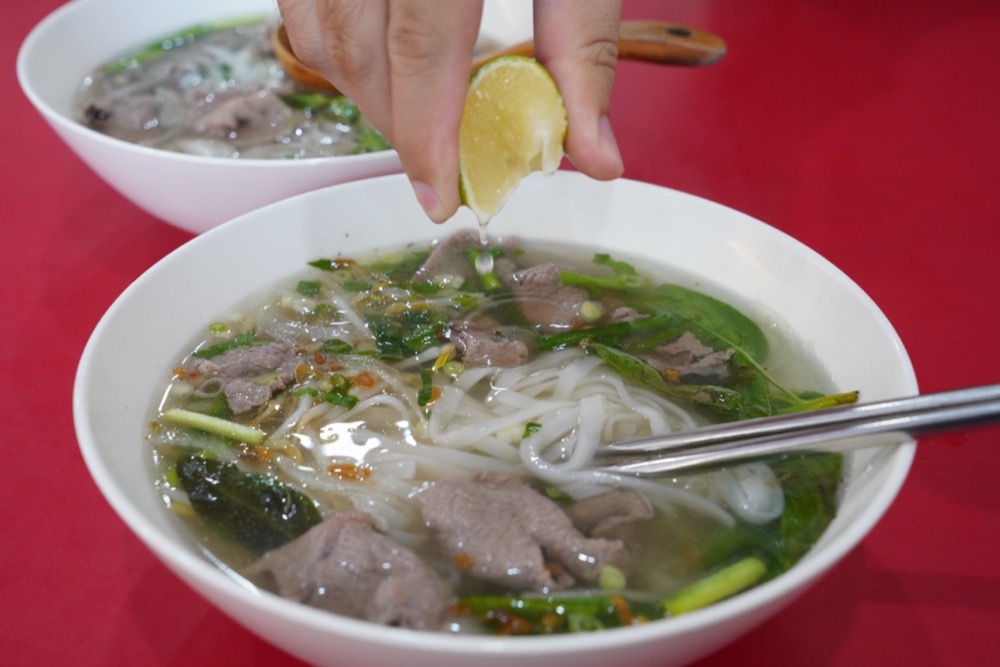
(861, 425)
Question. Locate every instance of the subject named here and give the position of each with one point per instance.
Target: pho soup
(403, 439)
(218, 90)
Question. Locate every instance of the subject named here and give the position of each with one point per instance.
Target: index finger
(430, 48)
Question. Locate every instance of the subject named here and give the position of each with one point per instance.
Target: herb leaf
(259, 512)
(610, 334)
(715, 322)
(636, 370)
(243, 340)
(810, 485)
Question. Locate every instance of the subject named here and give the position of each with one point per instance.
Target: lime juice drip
(484, 260)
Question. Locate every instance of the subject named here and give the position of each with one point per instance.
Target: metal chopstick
(832, 429)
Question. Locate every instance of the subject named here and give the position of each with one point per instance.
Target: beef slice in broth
(345, 566)
(502, 531)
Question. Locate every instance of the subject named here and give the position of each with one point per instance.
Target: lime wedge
(514, 123)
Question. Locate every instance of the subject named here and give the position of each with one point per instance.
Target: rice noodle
(751, 490)
(302, 406)
(342, 303)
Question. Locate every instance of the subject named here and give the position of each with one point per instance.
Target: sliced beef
(484, 343)
(252, 116)
(131, 115)
(625, 314)
(252, 374)
(343, 565)
(608, 514)
(686, 357)
(500, 530)
(545, 301)
(451, 257)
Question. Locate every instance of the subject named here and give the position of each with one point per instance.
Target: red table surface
(867, 130)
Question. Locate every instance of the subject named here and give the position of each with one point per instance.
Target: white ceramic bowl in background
(136, 344)
(191, 192)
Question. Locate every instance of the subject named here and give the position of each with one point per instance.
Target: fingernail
(427, 198)
(609, 146)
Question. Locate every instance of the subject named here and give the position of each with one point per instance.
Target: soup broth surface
(408, 399)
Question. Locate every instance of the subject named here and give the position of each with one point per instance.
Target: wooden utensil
(649, 41)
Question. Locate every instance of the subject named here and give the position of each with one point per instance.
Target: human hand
(405, 63)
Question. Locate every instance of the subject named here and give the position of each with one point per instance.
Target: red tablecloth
(869, 130)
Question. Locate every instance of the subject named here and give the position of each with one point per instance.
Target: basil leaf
(257, 511)
(636, 370)
(715, 322)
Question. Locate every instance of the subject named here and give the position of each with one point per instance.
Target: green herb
(424, 337)
(425, 288)
(715, 322)
(186, 36)
(489, 280)
(553, 614)
(214, 405)
(387, 342)
(618, 267)
(326, 264)
(257, 511)
(809, 483)
(810, 486)
(216, 425)
(307, 287)
(611, 578)
(636, 370)
(717, 586)
(559, 496)
(335, 346)
(466, 301)
(420, 328)
(672, 310)
(426, 391)
(720, 326)
(597, 284)
(529, 428)
(333, 106)
(402, 268)
(610, 334)
(371, 142)
(338, 395)
(625, 276)
(243, 340)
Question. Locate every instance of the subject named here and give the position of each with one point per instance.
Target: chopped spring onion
(611, 578)
(426, 391)
(308, 287)
(722, 584)
(243, 340)
(448, 353)
(591, 311)
(453, 368)
(216, 425)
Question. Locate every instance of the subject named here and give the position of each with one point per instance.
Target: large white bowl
(192, 192)
(137, 342)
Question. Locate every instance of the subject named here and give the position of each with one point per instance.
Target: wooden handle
(668, 43)
(650, 41)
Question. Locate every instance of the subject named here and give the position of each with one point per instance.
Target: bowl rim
(780, 590)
